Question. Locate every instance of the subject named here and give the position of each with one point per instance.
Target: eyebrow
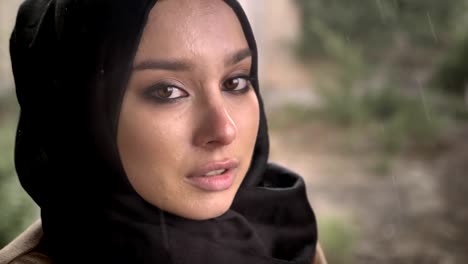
(171, 65)
(185, 65)
(238, 57)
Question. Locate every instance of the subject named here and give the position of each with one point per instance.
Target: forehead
(181, 28)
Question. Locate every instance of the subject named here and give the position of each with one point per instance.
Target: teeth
(215, 172)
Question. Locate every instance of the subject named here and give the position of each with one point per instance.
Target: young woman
(143, 139)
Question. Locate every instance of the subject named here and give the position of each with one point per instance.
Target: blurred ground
(404, 216)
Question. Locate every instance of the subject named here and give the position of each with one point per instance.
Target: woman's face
(189, 116)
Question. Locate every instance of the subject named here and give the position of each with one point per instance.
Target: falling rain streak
(399, 215)
(381, 11)
(424, 101)
(431, 26)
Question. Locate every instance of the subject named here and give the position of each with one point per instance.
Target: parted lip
(214, 165)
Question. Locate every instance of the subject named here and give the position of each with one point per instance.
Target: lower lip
(216, 183)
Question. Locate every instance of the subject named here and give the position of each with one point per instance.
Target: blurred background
(17, 210)
(367, 100)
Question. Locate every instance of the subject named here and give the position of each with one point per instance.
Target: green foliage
(337, 239)
(404, 36)
(377, 24)
(290, 115)
(395, 118)
(401, 121)
(17, 210)
(452, 73)
(405, 120)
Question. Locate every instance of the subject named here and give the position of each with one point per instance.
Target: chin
(204, 210)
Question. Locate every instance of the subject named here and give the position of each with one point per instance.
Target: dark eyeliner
(249, 80)
(149, 93)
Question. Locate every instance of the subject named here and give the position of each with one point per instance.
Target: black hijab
(71, 61)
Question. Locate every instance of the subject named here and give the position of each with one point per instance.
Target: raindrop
(431, 26)
(381, 11)
(424, 101)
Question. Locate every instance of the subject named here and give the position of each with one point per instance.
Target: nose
(215, 127)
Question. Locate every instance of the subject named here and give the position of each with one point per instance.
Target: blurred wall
(276, 28)
(8, 9)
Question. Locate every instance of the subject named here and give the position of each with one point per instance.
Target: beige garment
(22, 250)
(319, 256)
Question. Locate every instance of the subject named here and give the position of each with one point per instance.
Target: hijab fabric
(71, 62)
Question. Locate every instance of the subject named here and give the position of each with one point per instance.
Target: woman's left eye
(165, 93)
(237, 84)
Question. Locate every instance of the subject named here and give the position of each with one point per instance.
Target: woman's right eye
(166, 93)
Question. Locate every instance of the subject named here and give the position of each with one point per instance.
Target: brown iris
(165, 92)
(232, 84)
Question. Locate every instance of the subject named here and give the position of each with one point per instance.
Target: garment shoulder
(319, 256)
(31, 258)
(22, 248)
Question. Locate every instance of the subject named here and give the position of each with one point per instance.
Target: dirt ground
(415, 213)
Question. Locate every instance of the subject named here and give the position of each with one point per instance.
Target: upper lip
(215, 165)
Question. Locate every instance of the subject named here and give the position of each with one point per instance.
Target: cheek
(246, 116)
(247, 121)
(251, 116)
(150, 143)
(141, 134)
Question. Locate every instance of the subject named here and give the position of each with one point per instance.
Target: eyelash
(150, 92)
(244, 89)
